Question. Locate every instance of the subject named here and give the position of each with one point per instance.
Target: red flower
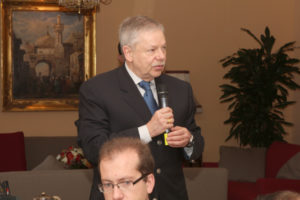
(70, 157)
(78, 158)
(73, 158)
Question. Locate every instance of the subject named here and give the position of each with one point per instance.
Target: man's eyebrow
(106, 180)
(126, 178)
(120, 179)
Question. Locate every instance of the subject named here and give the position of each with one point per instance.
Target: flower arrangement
(73, 158)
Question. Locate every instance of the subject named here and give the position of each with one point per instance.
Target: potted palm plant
(260, 80)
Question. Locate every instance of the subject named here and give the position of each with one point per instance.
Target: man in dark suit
(117, 103)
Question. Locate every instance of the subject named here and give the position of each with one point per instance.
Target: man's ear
(150, 183)
(127, 51)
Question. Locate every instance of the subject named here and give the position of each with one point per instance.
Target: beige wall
(199, 34)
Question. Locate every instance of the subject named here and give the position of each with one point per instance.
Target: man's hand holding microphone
(162, 122)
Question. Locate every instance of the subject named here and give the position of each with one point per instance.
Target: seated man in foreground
(126, 166)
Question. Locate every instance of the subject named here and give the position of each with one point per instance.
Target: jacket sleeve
(198, 145)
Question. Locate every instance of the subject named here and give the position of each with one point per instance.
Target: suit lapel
(131, 94)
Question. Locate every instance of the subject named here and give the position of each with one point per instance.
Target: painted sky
(30, 25)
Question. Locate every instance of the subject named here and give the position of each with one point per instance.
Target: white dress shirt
(143, 130)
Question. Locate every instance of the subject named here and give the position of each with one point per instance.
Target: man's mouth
(159, 66)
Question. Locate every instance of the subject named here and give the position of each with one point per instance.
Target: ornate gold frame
(40, 104)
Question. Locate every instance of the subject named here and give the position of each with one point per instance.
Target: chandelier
(82, 4)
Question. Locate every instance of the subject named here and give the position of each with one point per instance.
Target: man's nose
(117, 193)
(161, 54)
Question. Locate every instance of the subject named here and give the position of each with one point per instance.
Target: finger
(170, 121)
(177, 128)
(164, 115)
(168, 115)
(176, 144)
(180, 140)
(178, 131)
(176, 137)
(166, 110)
(175, 134)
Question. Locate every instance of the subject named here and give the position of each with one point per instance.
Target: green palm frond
(260, 81)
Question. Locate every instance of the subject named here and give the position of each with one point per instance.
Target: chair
(206, 183)
(12, 152)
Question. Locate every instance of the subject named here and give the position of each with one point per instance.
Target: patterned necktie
(148, 96)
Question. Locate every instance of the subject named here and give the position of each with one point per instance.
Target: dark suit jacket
(111, 106)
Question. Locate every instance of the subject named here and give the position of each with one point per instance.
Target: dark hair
(120, 144)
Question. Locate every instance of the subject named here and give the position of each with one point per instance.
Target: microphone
(162, 93)
(163, 96)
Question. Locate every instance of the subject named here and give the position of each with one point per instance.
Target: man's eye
(126, 183)
(107, 185)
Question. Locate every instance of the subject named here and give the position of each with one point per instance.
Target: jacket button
(159, 142)
(158, 170)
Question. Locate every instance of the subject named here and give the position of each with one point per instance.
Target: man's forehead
(145, 34)
(127, 156)
(119, 166)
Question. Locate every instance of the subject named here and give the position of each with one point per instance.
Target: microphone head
(162, 93)
(162, 89)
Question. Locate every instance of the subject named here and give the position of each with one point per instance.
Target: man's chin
(156, 73)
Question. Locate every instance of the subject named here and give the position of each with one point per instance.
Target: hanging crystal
(82, 4)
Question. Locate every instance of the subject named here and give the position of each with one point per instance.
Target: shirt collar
(134, 77)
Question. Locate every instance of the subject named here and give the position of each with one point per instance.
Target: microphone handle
(163, 100)
(164, 103)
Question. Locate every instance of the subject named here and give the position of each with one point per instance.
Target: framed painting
(47, 52)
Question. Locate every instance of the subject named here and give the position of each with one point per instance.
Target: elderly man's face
(148, 56)
(122, 169)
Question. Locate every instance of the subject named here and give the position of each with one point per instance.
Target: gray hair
(132, 26)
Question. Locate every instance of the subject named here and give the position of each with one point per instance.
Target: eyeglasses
(123, 185)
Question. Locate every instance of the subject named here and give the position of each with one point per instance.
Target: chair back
(12, 152)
